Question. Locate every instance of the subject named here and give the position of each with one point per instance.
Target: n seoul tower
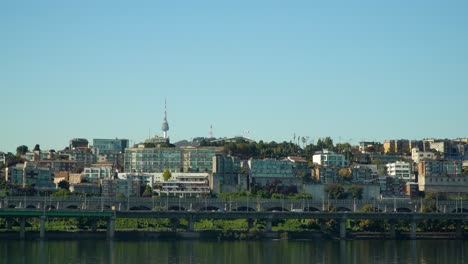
(165, 124)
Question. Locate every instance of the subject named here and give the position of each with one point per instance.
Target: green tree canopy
(356, 191)
(335, 191)
(345, 174)
(37, 148)
(61, 193)
(148, 192)
(63, 184)
(167, 174)
(21, 150)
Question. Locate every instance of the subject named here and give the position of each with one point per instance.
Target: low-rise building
(144, 178)
(182, 159)
(401, 170)
(185, 185)
(58, 165)
(29, 174)
(442, 176)
(82, 157)
(225, 174)
(440, 168)
(270, 168)
(391, 186)
(86, 188)
(329, 158)
(98, 172)
(120, 187)
(418, 155)
(454, 184)
(110, 150)
(326, 174)
(361, 174)
(38, 155)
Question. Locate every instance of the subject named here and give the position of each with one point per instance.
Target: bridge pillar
(22, 227)
(342, 228)
(250, 222)
(94, 225)
(323, 226)
(190, 224)
(268, 224)
(9, 223)
(174, 224)
(42, 219)
(459, 231)
(110, 227)
(413, 229)
(392, 229)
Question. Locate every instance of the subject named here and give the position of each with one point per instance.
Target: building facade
(270, 168)
(184, 159)
(329, 158)
(440, 168)
(401, 170)
(110, 150)
(29, 174)
(418, 155)
(185, 185)
(121, 187)
(326, 174)
(361, 175)
(97, 173)
(225, 174)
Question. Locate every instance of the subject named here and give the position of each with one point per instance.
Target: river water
(276, 251)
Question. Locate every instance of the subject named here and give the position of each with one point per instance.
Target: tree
(148, 192)
(370, 225)
(167, 174)
(356, 191)
(61, 193)
(21, 150)
(335, 191)
(64, 185)
(37, 148)
(345, 174)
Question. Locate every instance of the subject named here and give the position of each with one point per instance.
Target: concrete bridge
(229, 205)
(268, 216)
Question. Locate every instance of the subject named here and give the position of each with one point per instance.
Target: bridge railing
(257, 204)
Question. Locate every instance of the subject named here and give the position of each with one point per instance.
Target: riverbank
(136, 235)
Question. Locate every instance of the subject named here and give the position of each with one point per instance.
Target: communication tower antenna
(165, 125)
(211, 131)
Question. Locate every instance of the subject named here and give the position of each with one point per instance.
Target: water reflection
(314, 251)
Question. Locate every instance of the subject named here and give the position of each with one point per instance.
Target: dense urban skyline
(368, 71)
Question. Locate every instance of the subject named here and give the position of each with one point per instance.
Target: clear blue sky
(356, 70)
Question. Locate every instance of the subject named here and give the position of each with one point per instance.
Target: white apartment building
(418, 155)
(184, 185)
(401, 170)
(329, 158)
(96, 173)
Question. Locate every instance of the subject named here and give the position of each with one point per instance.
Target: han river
(265, 251)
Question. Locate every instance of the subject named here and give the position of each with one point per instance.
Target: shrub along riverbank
(227, 229)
